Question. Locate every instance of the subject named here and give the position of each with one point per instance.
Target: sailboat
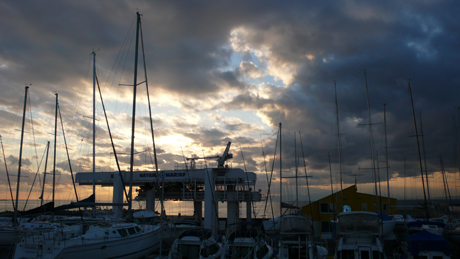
(194, 244)
(359, 233)
(248, 243)
(296, 239)
(108, 240)
(22, 227)
(427, 241)
(118, 240)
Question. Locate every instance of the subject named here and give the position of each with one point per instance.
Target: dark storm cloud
(394, 43)
(206, 137)
(247, 101)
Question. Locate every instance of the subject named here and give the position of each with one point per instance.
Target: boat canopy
(426, 241)
(45, 208)
(383, 216)
(419, 223)
(73, 205)
(285, 205)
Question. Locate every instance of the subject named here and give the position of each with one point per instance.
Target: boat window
(243, 252)
(210, 250)
(122, 232)
(190, 251)
(377, 255)
(138, 229)
(364, 254)
(346, 254)
(131, 231)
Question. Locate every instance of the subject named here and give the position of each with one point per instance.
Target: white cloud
(250, 69)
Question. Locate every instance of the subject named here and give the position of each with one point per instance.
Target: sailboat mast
(306, 177)
(20, 157)
(339, 149)
(54, 160)
(94, 129)
(281, 175)
(378, 177)
(418, 149)
(131, 162)
(424, 158)
(405, 184)
(332, 186)
(444, 180)
(296, 172)
(44, 173)
(6, 169)
(386, 154)
(372, 145)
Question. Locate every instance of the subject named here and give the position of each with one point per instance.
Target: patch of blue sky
(269, 79)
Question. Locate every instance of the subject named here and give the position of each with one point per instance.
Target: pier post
(233, 211)
(198, 208)
(210, 204)
(150, 199)
(248, 212)
(117, 195)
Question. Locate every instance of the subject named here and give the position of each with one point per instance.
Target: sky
(221, 71)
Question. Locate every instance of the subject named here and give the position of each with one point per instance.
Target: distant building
(324, 211)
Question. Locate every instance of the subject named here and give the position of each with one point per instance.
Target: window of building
(384, 207)
(364, 208)
(326, 207)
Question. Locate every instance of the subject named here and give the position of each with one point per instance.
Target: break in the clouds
(232, 71)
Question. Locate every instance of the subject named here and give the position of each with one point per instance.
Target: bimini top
(201, 233)
(428, 241)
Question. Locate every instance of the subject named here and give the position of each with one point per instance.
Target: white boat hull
(78, 248)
